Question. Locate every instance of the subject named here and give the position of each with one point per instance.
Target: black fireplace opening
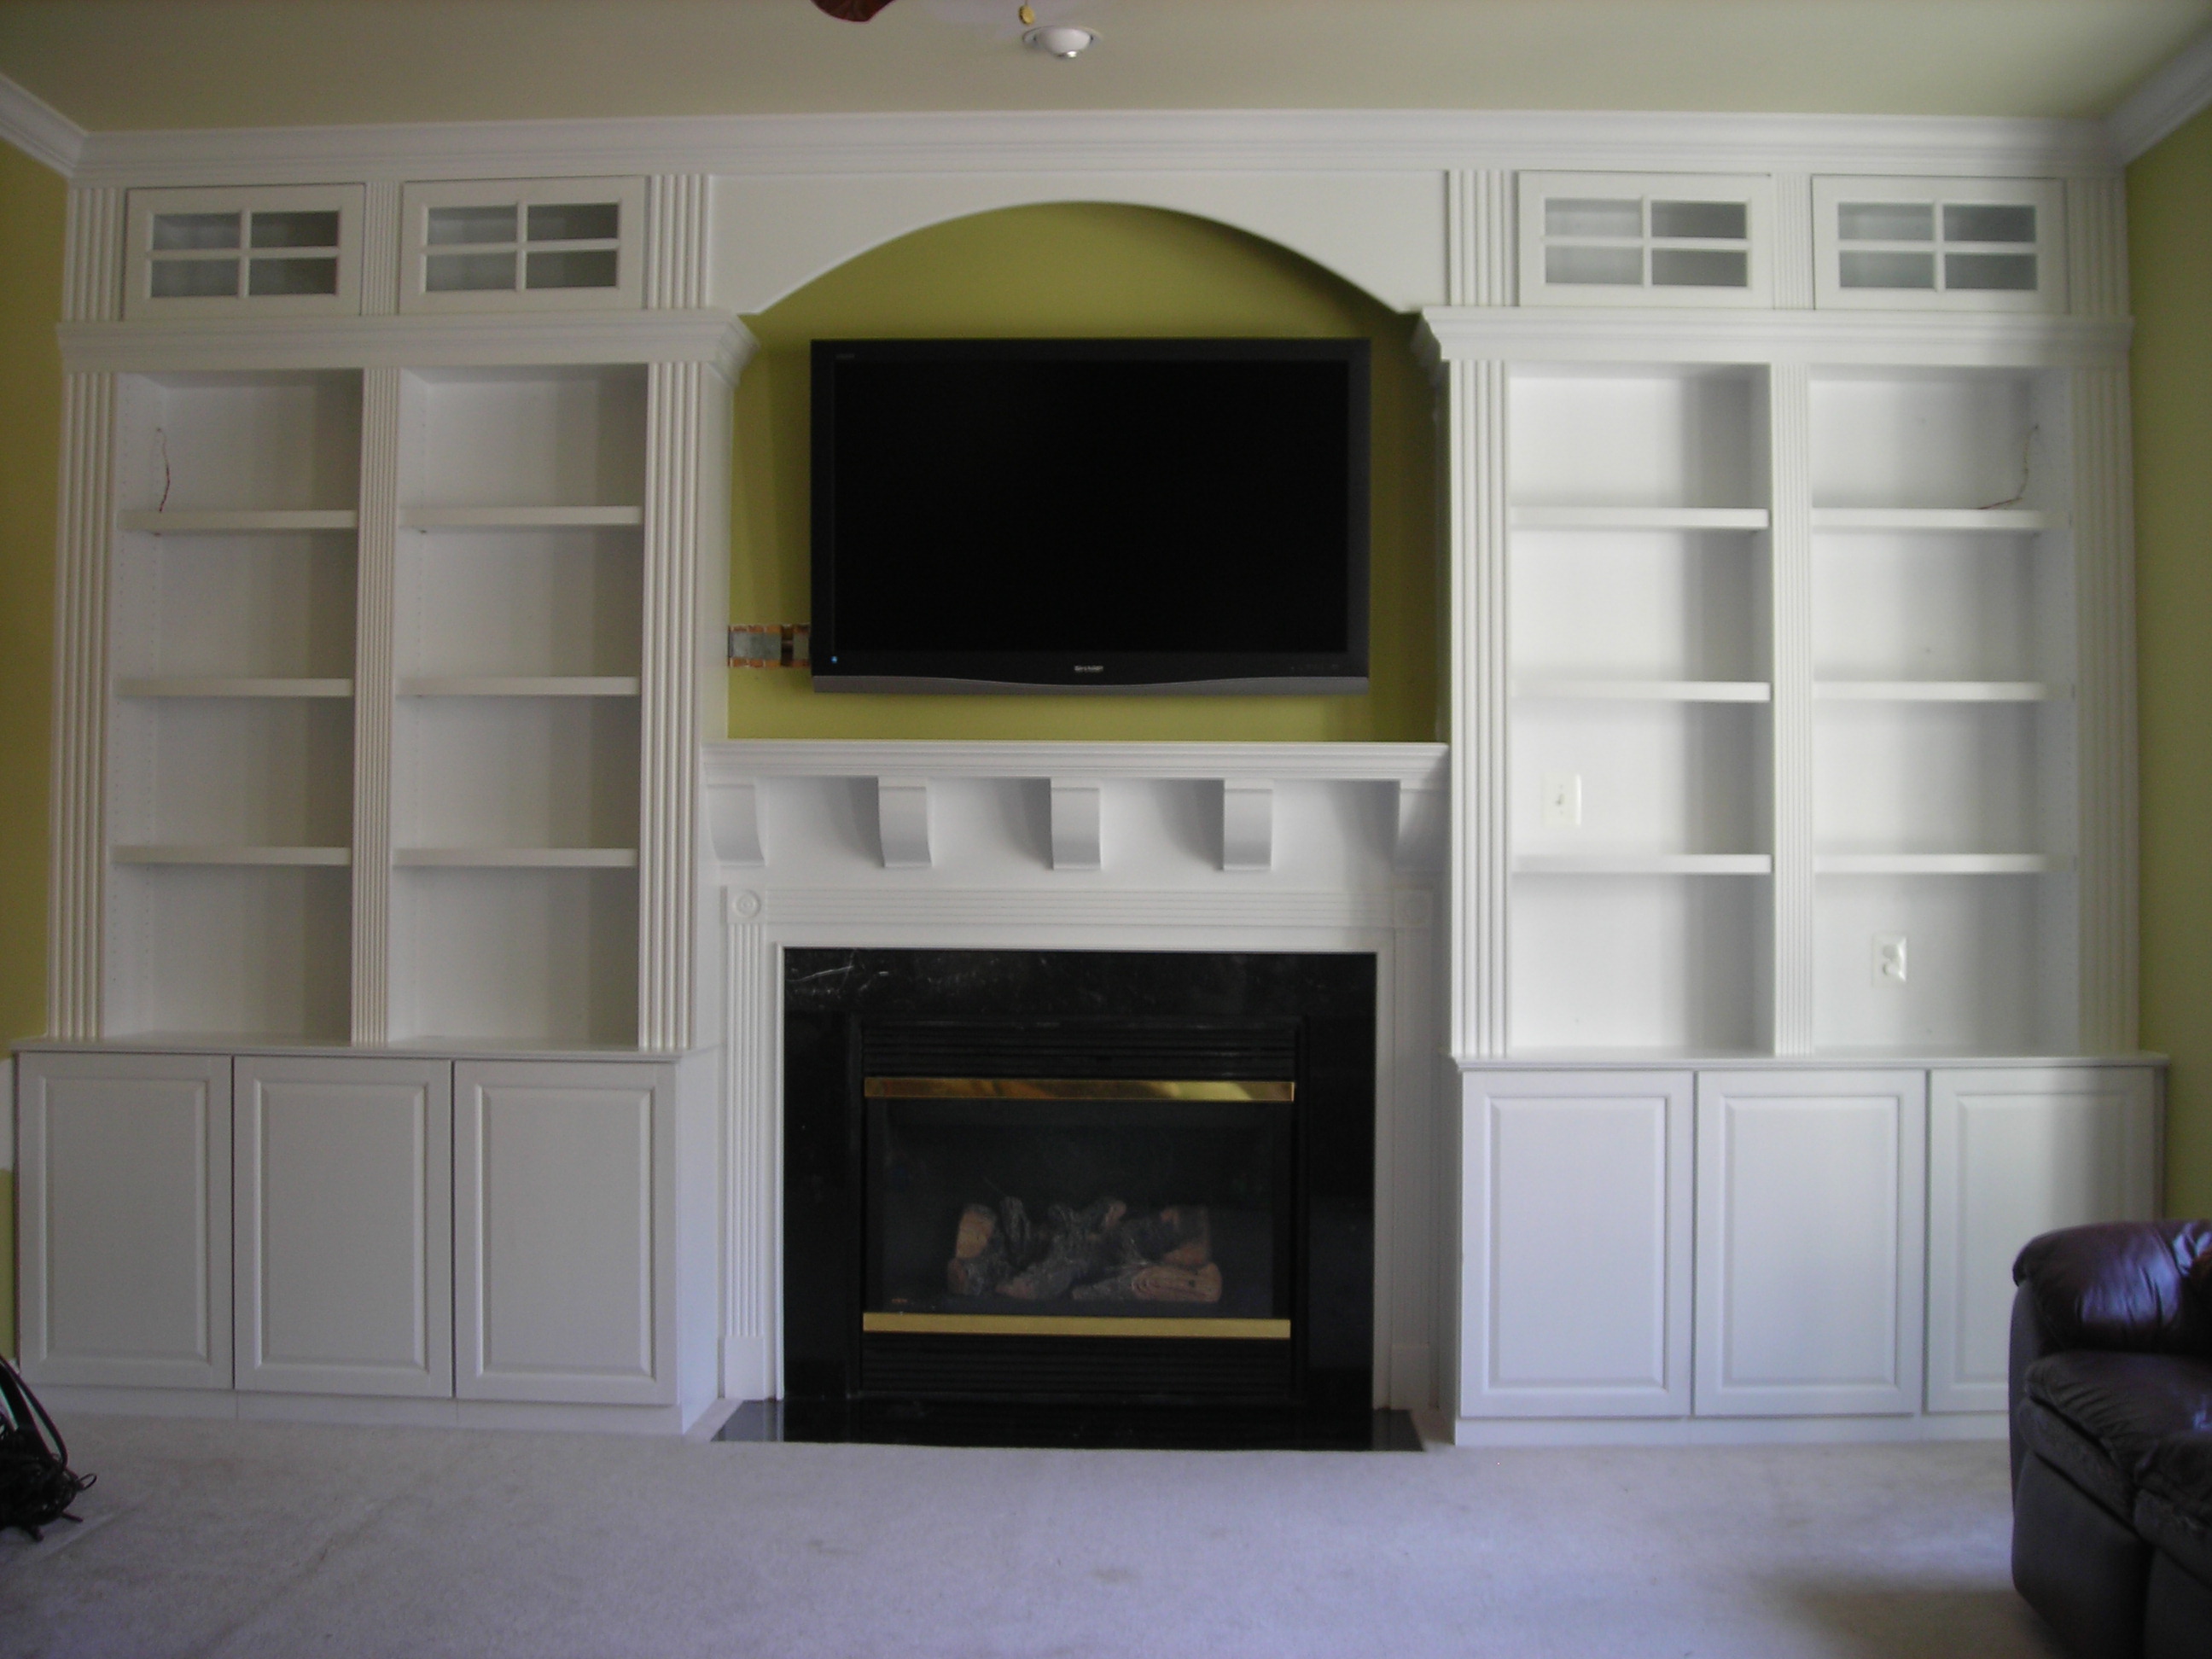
(1079, 1197)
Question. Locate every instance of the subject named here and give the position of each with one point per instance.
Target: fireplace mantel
(1202, 846)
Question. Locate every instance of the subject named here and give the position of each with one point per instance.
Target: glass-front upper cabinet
(1955, 244)
(505, 245)
(288, 249)
(1615, 239)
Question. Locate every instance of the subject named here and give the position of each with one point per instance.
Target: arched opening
(1082, 269)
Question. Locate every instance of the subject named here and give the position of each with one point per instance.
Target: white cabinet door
(1575, 1281)
(2012, 1154)
(125, 1219)
(564, 1261)
(1809, 1206)
(344, 1209)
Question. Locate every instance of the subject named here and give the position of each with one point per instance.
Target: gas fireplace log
(1099, 1252)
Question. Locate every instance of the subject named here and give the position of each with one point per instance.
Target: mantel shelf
(516, 858)
(1939, 864)
(1984, 520)
(196, 853)
(236, 520)
(1640, 518)
(554, 685)
(1643, 864)
(521, 518)
(1549, 691)
(1941, 691)
(198, 686)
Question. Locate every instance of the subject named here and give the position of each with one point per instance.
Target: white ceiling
(113, 65)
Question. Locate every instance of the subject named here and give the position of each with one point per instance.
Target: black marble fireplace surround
(1209, 1116)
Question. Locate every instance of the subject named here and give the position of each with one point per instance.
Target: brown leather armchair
(2111, 1437)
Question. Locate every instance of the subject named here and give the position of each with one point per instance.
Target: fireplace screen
(1033, 1207)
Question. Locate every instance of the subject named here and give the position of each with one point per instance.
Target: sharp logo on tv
(1090, 515)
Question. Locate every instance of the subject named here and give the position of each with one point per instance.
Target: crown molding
(1586, 334)
(2172, 93)
(715, 337)
(1348, 140)
(39, 130)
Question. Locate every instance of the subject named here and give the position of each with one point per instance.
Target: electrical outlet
(1889, 962)
(1563, 801)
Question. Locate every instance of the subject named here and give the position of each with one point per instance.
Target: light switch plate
(1563, 801)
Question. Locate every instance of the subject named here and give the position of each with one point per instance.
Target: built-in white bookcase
(516, 761)
(231, 657)
(1944, 730)
(1639, 781)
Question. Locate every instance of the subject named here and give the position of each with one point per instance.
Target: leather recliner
(2110, 1389)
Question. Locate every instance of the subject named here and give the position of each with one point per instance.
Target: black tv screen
(1168, 515)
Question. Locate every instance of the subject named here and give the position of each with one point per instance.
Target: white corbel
(1248, 824)
(903, 822)
(733, 823)
(1075, 820)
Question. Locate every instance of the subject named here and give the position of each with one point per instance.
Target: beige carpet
(233, 1539)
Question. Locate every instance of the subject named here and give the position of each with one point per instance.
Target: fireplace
(1079, 1197)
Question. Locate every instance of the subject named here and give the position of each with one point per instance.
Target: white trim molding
(39, 130)
(2166, 100)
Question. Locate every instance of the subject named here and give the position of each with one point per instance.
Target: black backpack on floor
(36, 1485)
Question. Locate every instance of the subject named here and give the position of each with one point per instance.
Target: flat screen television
(1090, 515)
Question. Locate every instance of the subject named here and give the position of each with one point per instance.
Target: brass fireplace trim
(932, 1324)
(1076, 1088)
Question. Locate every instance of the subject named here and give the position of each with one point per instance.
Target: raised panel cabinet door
(123, 1219)
(344, 1239)
(1810, 1199)
(1576, 1277)
(2012, 1153)
(564, 1281)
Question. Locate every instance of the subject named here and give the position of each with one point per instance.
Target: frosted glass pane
(2013, 273)
(1887, 269)
(195, 279)
(591, 269)
(460, 273)
(1621, 266)
(192, 230)
(1987, 223)
(269, 277)
(1579, 216)
(1713, 222)
(1886, 222)
(295, 230)
(575, 222)
(449, 225)
(1700, 267)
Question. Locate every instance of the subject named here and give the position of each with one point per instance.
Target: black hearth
(1079, 1197)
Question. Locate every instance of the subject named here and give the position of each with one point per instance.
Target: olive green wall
(2170, 251)
(33, 204)
(1080, 270)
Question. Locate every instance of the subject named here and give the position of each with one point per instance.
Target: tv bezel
(1272, 673)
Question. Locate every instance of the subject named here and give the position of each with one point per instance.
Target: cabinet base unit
(1835, 1214)
(384, 1237)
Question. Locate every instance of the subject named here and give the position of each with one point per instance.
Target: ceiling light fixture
(1059, 39)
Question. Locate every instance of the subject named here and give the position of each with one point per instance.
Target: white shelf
(1992, 520)
(516, 858)
(1640, 518)
(521, 518)
(193, 686)
(267, 856)
(1535, 691)
(1643, 864)
(238, 521)
(557, 685)
(1939, 864)
(1941, 691)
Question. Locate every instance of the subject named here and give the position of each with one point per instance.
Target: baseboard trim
(1724, 1431)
